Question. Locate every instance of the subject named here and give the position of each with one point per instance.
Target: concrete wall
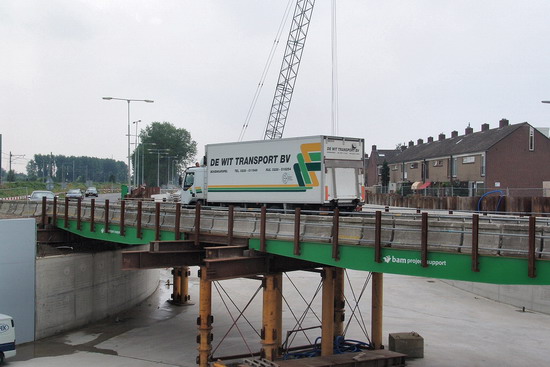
(17, 257)
(77, 289)
(532, 297)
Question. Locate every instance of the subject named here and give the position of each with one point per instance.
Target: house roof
(463, 144)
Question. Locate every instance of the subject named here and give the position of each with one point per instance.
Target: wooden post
(107, 216)
(122, 214)
(43, 213)
(230, 224)
(138, 219)
(79, 214)
(157, 221)
(475, 242)
(327, 335)
(378, 237)
(177, 233)
(424, 241)
(66, 212)
(336, 234)
(54, 219)
(297, 215)
(197, 224)
(377, 309)
(92, 215)
(532, 266)
(263, 219)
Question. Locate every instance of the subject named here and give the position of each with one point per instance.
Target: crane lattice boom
(289, 69)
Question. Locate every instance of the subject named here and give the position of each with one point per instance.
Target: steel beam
(377, 309)
(339, 302)
(132, 260)
(204, 321)
(271, 332)
(327, 335)
(238, 267)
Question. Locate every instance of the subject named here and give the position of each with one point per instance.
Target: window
(414, 165)
(438, 163)
(394, 167)
(483, 165)
(467, 160)
(531, 139)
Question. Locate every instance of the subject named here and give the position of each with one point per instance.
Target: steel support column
(271, 316)
(204, 322)
(339, 302)
(377, 308)
(180, 290)
(327, 336)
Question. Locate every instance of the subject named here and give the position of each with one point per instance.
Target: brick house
(508, 157)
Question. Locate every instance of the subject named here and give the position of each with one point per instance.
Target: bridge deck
(490, 249)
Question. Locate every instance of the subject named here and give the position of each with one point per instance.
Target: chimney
(503, 123)
(374, 148)
(419, 142)
(484, 127)
(430, 139)
(441, 137)
(411, 143)
(469, 130)
(454, 134)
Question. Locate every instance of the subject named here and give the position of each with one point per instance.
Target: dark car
(74, 194)
(91, 191)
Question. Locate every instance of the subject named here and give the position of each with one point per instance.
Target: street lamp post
(143, 161)
(128, 100)
(159, 151)
(136, 158)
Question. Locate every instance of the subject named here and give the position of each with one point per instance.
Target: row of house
(508, 157)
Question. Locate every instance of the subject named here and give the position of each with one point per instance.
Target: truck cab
(194, 186)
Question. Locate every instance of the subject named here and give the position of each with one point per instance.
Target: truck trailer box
(305, 170)
(7, 337)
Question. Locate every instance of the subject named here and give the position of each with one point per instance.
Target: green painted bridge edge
(113, 235)
(442, 265)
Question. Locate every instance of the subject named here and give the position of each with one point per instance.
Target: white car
(38, 195)
(7, 337)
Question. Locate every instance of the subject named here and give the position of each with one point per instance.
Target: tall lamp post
(128, 100)
(159, 151)
(136, 158)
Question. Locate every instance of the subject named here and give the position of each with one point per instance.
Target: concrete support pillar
(272, 316)
(204, 320)
(327, 318)
(377, 308)
(339, 302)
(180, 290)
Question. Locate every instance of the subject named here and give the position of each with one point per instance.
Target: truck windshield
(189, 179)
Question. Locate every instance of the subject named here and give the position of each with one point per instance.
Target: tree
(162, 146)
(11, 176)
(385, 174)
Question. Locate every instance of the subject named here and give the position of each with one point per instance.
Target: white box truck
(309, 172)
(7, 337)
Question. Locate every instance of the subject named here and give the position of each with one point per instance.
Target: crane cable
(334, 44)
(266, 69)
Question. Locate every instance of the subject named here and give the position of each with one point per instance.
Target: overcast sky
(407, 70)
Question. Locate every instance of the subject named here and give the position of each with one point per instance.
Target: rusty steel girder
(133, 260)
